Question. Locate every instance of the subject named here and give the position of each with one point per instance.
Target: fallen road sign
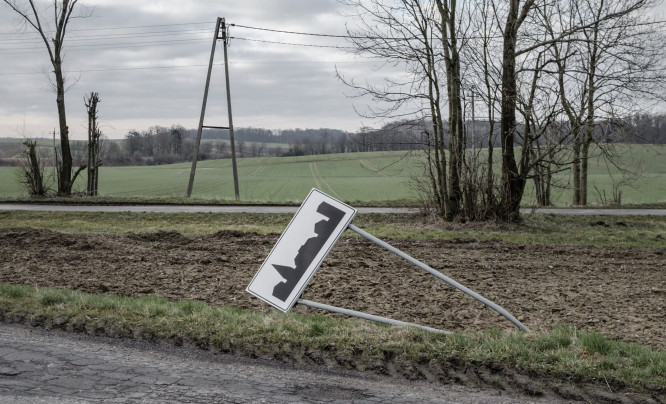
(300, 250)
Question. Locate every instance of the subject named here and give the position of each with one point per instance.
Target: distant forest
(162, 145)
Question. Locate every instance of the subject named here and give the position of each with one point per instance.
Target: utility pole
(220, 25)
(225, 40)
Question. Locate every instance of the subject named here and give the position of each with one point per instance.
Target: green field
(353, 177)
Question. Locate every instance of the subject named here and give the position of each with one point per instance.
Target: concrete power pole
(225, 40)
(220, 25)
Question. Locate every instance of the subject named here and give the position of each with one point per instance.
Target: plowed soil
(620, 292)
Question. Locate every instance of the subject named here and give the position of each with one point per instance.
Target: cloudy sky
(148, 62)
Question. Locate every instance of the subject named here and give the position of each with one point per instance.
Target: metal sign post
(281, 285)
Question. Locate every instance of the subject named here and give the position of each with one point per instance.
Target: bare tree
(54, 39)
(94, 134)
(31, 170)
(422, 36)
(532, 16)
(621, 61)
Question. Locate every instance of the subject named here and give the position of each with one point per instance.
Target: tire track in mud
(316, 174)
(373, 168)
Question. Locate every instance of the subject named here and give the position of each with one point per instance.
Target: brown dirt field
(620, 292)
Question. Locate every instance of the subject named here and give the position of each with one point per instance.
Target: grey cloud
(272, 85)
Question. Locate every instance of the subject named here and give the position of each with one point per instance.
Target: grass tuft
(12, 291)
(595, 343)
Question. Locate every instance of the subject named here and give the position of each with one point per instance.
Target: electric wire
(291, 43)
(76, 43)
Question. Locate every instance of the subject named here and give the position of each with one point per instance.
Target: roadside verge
(564, 362)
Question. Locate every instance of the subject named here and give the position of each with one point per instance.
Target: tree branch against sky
(54, 40)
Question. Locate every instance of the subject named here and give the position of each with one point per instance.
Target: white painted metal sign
(301, 249)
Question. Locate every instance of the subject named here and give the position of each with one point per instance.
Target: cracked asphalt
(39, 366)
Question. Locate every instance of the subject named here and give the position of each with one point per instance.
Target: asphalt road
(38, 366)
(287, 209)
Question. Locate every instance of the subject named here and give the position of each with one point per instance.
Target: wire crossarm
(438, 274)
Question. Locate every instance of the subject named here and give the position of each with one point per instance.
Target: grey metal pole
(367, 316)
(441, 276)
(203, 108)
(225, 39)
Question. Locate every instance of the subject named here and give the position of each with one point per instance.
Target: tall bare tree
(94, 135)
(423, 36)
(54, 40)
(622, 61)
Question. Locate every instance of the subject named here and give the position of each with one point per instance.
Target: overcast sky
(130, 52)
(148, 61)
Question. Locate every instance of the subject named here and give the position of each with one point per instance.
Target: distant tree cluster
(161, 145)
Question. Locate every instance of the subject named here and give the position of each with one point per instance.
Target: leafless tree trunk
(512, 185)
(94, 134)
(54, 41)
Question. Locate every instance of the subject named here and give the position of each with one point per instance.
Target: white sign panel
(301, 249)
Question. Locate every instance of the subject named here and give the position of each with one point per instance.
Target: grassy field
(354, 177)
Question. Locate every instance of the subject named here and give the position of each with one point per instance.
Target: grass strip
(183, 200)
(562, 353)
(544, 229)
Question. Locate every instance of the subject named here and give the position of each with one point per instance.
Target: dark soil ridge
(452, 370)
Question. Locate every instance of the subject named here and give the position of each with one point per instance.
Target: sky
(148, 62)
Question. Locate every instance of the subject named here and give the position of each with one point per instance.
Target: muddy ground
(620, 292)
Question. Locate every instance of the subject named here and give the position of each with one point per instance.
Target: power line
(111, 69)
(290, 32)
(197, 65)
(117, 28)
(160, 34)
(74, 48)
(291, 43)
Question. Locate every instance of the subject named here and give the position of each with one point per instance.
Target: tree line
(161, 145)
(166, 145)
(547, 76)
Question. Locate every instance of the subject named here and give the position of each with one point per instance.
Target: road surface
(287, 209)
(38, 366)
